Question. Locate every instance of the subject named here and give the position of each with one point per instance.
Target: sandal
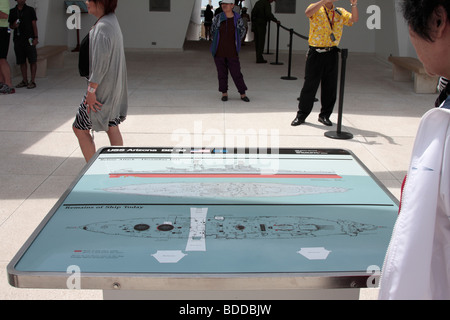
(22, 84)
(5, 89)
(31, 85)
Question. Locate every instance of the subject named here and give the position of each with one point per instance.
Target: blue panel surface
(165, 211)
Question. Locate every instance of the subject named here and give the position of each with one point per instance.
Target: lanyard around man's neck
(330, 21)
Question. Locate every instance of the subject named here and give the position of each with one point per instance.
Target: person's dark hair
(418, 12)
(109, 5)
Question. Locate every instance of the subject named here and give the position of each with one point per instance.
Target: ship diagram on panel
(199, 169)
(230, 227)
(222, 189)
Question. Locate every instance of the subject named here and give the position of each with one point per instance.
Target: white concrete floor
(173, 100)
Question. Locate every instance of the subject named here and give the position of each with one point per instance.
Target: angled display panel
(138, 217)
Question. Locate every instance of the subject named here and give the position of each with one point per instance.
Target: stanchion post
(268, 38)
(339, 134)
(278, 47)
(291, 33)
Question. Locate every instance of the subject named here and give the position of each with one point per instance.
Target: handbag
(83, 59)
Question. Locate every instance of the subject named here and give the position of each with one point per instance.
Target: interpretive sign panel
(139, 214)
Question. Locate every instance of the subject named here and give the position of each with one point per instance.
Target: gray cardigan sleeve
(108, 70)
(101, 50)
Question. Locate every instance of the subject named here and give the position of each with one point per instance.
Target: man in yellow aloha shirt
(326, 23)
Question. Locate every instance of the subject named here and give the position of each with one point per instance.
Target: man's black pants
(260, 40)
(321, 69)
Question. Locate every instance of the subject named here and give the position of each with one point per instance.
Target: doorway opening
(196, 31)
(240, 7)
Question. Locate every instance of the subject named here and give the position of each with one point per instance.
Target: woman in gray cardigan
(105, 105)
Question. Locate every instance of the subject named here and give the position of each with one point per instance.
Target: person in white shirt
(417, 264)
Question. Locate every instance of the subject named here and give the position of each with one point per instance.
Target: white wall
(386, 38)
(195, 23)
(167, 30)
(404, 43)
(141, 28)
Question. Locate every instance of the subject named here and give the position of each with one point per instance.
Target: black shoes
(297, 121)
(245, 98)
(325, 121)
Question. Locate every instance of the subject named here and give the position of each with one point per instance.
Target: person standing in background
(22, 19)
(105, 104)
(261, 15)
(228, 30)
(246, 18)
(326, 24)
(5, 71)
(209, 15)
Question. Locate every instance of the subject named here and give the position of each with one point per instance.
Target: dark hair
(109, 5)
(418, 12)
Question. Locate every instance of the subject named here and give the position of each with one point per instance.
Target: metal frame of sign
(188, 281)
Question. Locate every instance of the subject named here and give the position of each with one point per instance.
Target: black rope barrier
(277, 50)
(291, 40)
(289, 77)
(268, 38)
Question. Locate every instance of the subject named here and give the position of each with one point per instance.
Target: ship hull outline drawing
(199, 169)
(231, 227)
(222, 189)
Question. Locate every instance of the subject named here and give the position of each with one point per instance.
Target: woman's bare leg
(115, 137)
(86, 142)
